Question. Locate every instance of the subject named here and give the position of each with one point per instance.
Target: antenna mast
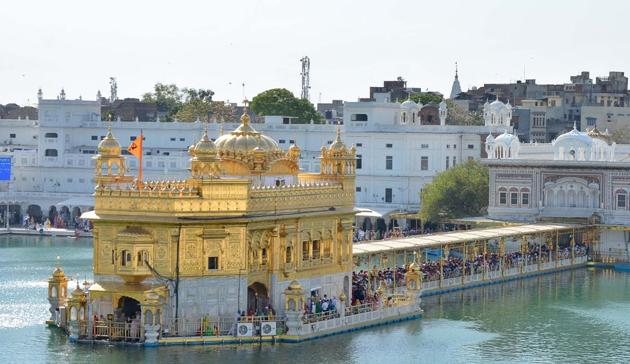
(306, 78)
(113, 89)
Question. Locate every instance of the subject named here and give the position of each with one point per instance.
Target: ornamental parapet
(220, 197)
(308, 197)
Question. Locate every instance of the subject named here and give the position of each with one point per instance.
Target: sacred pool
(580, 315)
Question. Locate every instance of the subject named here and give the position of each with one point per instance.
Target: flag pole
(141, 153)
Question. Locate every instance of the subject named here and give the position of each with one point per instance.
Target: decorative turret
(62, 95)
(40, 94)
(204, 162)
(57, 291)
(294, 153)
(337, 159)
(110, 164)
(443, 112)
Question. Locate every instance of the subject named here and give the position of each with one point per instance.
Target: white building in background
(52, 156)
(580, 176)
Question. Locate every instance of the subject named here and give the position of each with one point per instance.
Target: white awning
(83, 201)
(367, 212)
(455, 237)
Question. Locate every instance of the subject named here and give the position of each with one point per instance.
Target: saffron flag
(136, 147)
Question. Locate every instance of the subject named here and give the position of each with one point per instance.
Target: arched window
(327, 248)
(305, 250)
(288, 254)
(525, 197)
(53, 292)
(621, 200)
(143, 256)
(502, 196)
(263, 255)
(125, 258)
(316, 249)
(513, 197)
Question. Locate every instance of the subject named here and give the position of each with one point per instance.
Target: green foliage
(457, 192)
(459, 116)
(621, 135)
(280, 101)
(205, 110)
(185, 104)
(426, 97)
(168, 99)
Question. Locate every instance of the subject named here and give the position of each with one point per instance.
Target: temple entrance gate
(257, 298)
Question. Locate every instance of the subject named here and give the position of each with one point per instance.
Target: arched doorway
(76, 214)
(52, 215)
(257, 298)
(129, 307)
(35, 212)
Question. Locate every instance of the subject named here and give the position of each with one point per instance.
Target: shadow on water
(574, 316)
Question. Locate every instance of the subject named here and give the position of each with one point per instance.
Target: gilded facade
(230, 238)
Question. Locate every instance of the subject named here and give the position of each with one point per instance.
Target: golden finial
(338, 133)
(245, 116)
(58, 263)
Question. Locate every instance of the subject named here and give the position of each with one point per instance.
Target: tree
(459, 116)
(280, 101)
(168, 99)
(426, 97)
(205, 110)
(457, 192)
(621, 135)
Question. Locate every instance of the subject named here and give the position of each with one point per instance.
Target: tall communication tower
(113, 89)
(306, 78)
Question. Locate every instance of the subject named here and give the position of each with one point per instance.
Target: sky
(219, 45)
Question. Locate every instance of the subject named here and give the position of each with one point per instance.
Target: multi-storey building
(400, 148)
(581, 177)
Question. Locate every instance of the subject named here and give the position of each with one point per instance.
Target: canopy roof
(437, 240)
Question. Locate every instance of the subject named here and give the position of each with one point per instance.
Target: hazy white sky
(78, 45)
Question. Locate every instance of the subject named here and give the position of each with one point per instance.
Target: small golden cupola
(110, 164)
(338, 159)
(596, 134)
(294, 153)
(204, 162)
(246, 151)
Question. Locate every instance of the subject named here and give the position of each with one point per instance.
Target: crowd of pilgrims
(365, 283)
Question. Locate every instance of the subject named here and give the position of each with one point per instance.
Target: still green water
(571, 317)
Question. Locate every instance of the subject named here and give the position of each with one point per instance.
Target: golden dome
(78, 292)
(58, 273)
(244, 140)
(204, 147)
(338, 145)
(294, 148)
(295, 286)
(109, 146)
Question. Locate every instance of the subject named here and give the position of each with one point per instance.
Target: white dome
(497, 105)
(409, 105)
(572, 137)
(489, 139)
(506, 139)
